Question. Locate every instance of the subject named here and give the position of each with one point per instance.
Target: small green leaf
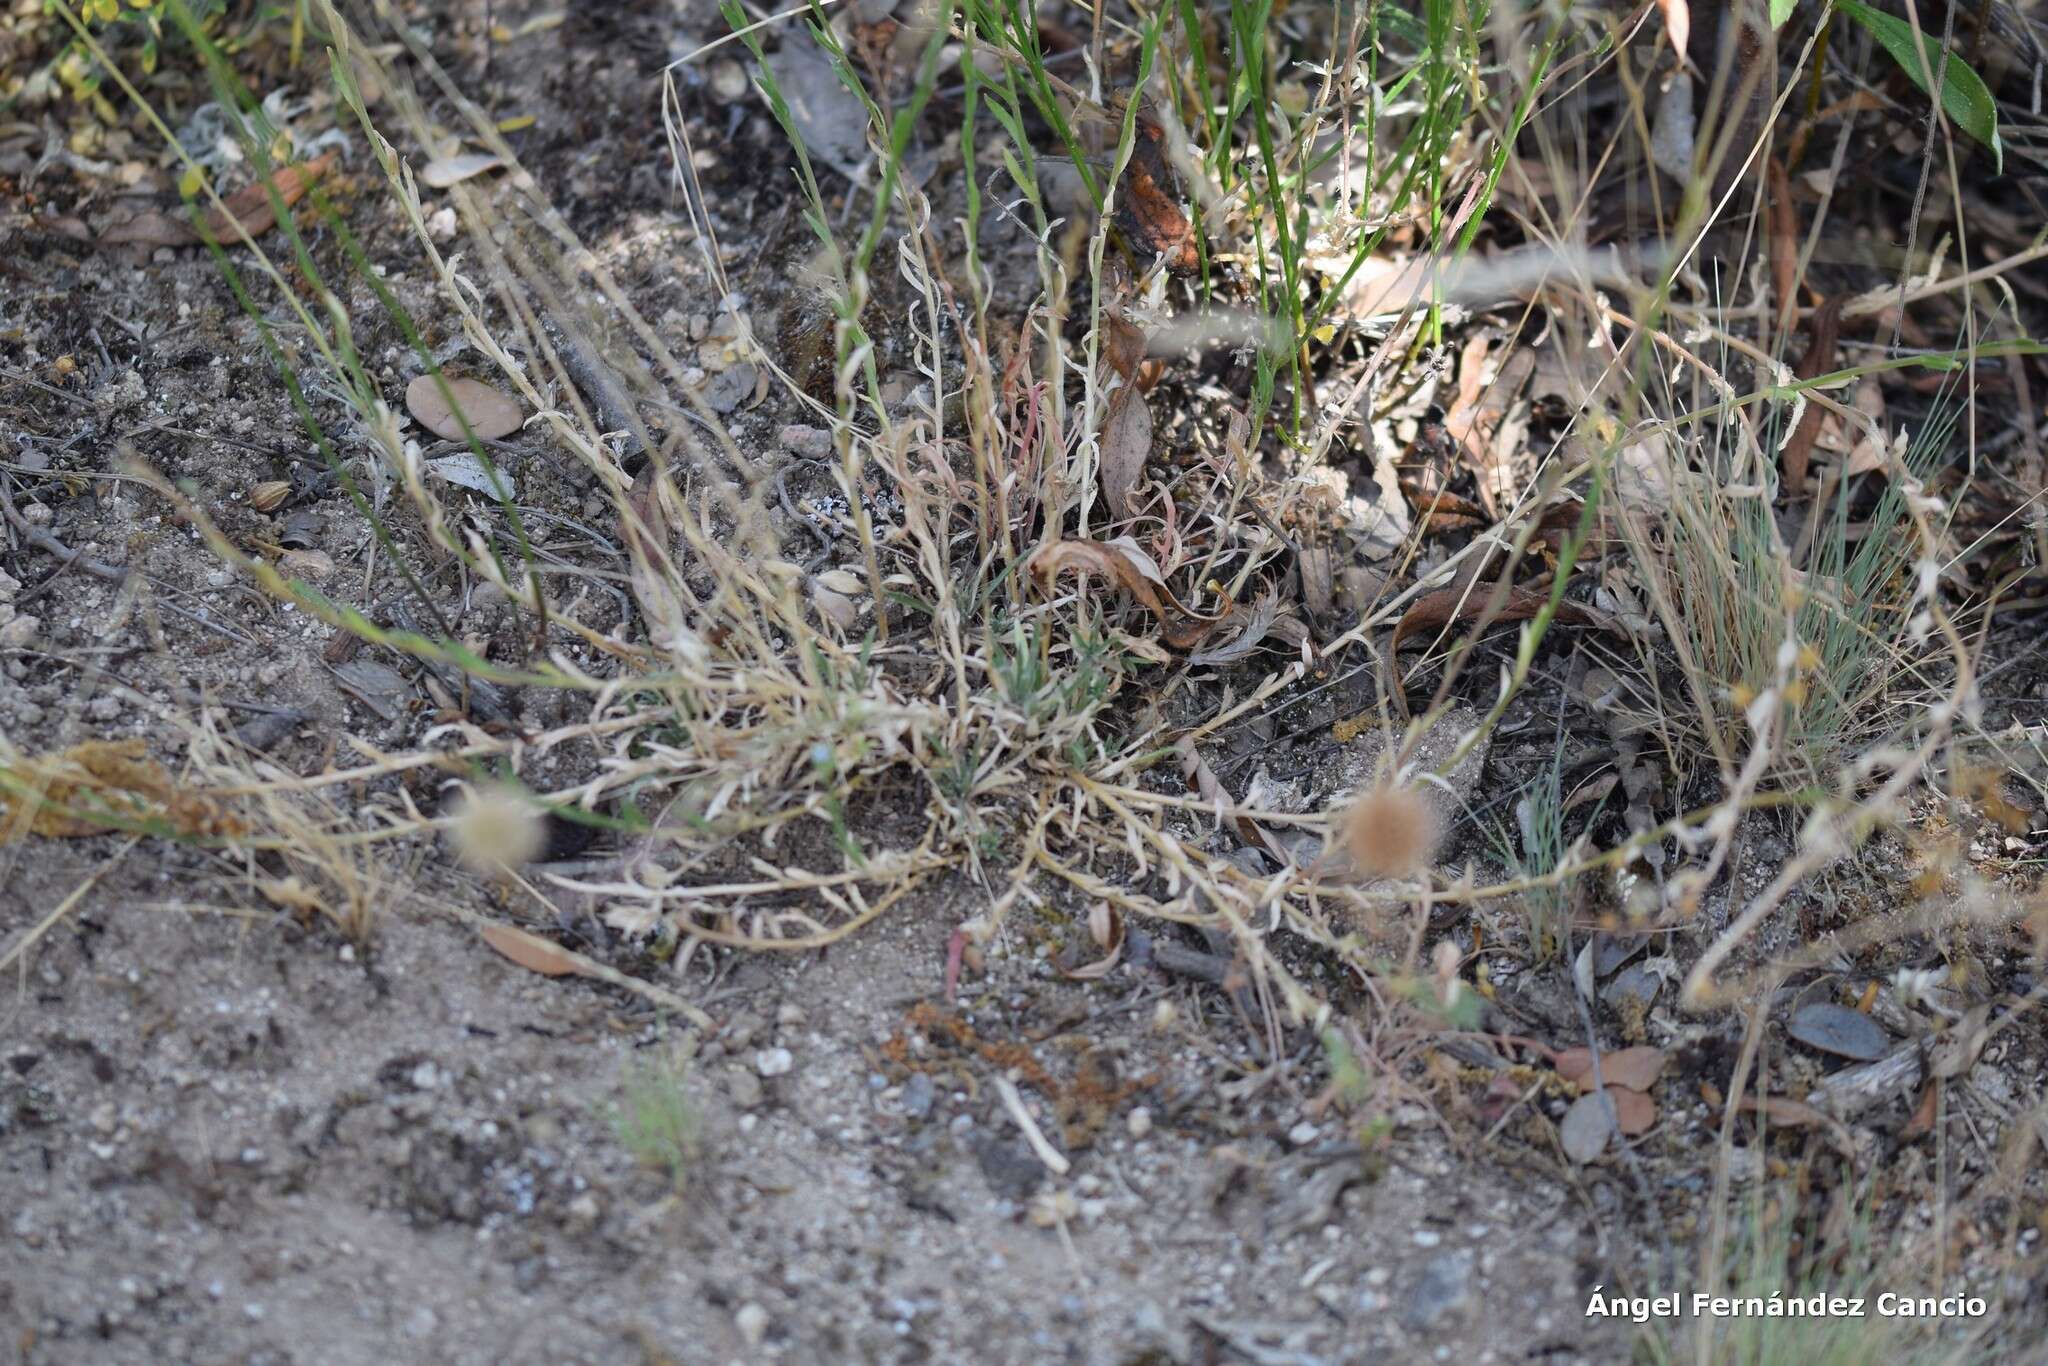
(1963, 94)
(1781, 10)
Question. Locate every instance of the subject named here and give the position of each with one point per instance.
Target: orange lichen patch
(104, 785)
(942, 1026)
(1084, 1108)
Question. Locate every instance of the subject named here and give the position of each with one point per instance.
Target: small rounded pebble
(728, 80)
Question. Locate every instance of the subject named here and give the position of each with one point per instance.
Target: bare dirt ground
(231, 1133)
(230, 1142)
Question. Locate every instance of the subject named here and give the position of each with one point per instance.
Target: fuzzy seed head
(1391, 831)
(495, 828)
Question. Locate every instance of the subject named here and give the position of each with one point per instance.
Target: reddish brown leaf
(1178, 627)
(1786, 1113)
(1456, 603)
(1634, 1112)
(251, 204)
(1784, 221)
(1922, 1120)
(532, 952)
(1824, 327)
(1635, 1069)
(1148, 204)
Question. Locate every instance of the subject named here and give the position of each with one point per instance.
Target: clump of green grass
(1542, 849)
(656, 1120)
(1768, 1261)
(1821, 623)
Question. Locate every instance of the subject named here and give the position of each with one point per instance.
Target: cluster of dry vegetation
(1380, 380)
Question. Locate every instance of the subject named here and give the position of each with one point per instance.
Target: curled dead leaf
(1491, 601)
(1178, 627)
(1106, 928)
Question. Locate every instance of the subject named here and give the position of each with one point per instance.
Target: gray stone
(1445, 1284)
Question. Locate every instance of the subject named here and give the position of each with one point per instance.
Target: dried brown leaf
(1636, 1069)
(1824, 328)
(251, 205)
(532, 952)
(1126, 446)
(1178, 627)
(1439, 609)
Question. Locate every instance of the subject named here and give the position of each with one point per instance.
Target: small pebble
(728, 80)
(752, 1321)
(812, 443)
(918, 1094)
(1139, 1122)
(744, 1089)
(774, 1062)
